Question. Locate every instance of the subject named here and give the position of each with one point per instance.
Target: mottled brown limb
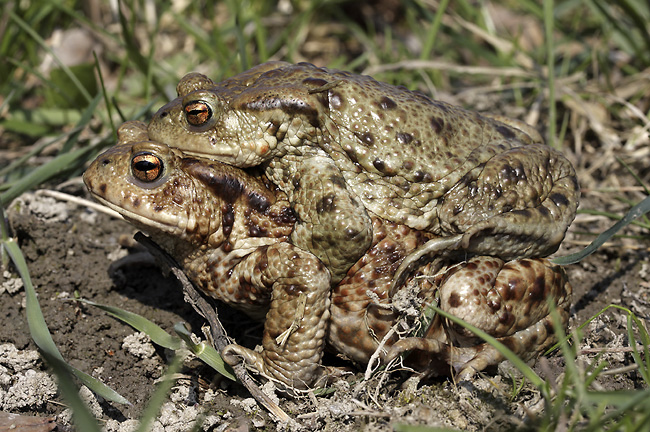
(219, 337)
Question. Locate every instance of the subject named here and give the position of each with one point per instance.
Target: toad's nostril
(106, 161)
(164, 114)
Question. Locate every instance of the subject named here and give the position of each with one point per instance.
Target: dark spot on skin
(256, 231)
(471, 266)
(338, 181)
(226, 247)
(558, 199)
(258, 202)
(102, 188)
(454, 300)
(136, 202)
(510, 343)
(178, 199)
(314, 82)
(227, 219)
(525, 263)
(366, 138)
(326, 204)
(510, 292)
(158, 208)
(548, 325)
(494, 305)
(379, 165)
(262, 263)
(387, 103)
(537, 290)
(506, 131)
(421, 177)
(543, 211)
(404, 138)
(291, 106)
(513, 173)
(506, 318)
(437, 124)
(286, 216)
(351, 233)
(222, 184)
(408, 164)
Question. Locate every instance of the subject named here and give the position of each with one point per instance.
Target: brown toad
(344, 147)
(230, 232)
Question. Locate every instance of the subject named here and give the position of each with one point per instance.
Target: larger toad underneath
(230, 231)
(344, 147)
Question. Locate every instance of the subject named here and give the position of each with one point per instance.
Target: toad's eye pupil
(146, 167)
(197, 113)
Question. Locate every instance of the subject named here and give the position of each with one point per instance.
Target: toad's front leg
(298, 285)
(332, 223)
(518, 204)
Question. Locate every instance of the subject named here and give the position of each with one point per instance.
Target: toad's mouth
(171, 225)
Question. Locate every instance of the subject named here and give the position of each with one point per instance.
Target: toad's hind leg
(509, 301)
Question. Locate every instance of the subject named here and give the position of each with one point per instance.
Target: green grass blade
(82, 416)
(140, 323)
(104, 94)
(638, 210)
(141, 62)
(644, 366)
(56, 166)
(432, 34)
(83, 121)
(15, 164)
(36, 322)
(206, 353)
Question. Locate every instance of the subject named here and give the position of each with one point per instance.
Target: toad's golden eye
(197, 113)
(146, 167)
